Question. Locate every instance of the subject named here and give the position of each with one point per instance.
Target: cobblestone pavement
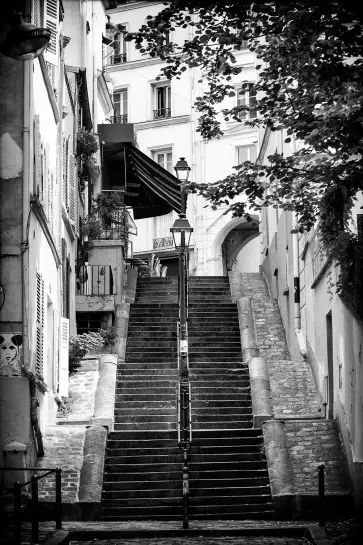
(197, 540)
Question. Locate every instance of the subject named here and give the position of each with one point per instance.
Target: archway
(230, 236)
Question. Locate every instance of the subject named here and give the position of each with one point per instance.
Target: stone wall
(63, 444)
(310, 444)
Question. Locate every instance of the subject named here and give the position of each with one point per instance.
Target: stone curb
(91, 477)
(260, 391)
(316, 535)
(247, 329)
(105, 391)
(122, 312)
(279, 469)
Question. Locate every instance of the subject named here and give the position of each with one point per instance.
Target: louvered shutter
(72, 188)
(40, 326)
(65, 173)
(45, 178)
(64, 357)
(37, 158)
(51, 17)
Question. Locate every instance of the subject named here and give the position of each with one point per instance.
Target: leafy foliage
(79, 345)
(109, 335)
(87, 143)
(310, 84)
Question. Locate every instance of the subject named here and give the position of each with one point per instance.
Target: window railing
(118, 118)
(162, 113)
(95, 280)
(163, 242)
(118, 58)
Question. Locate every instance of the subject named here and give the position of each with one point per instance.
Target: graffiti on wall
(11, 348)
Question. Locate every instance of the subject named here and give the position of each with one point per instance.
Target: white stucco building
(165, 125)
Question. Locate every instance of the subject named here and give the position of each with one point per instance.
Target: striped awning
(148, 188)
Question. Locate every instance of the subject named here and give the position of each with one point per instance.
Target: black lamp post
(25, 41)
(181, 232)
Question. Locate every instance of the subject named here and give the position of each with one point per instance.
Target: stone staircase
(143, 470)
(229, 477)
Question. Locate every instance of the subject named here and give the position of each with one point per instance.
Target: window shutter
(45, 178)
(37, 158)
(65, 173)
(64, 357)
(72, 188)
(51, 12)
(40, 326)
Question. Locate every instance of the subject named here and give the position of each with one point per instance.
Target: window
(164, 158)
(120, 106)
(119, 46)
(246, 153)
(39, 325)
(247, 97)
(162, 102)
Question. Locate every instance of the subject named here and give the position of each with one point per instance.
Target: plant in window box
(111, 208)
(89, 171)
(87, 143)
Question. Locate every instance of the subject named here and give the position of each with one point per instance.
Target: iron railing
(163, 242)
(118, 118)
(35, 515)
(162, 113)
(96, 280)
(119, 58)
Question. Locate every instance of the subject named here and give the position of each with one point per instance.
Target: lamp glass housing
(182, 170)
(181, 227)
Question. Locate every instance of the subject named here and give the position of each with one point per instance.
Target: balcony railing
(162, 243)
(118, 118)
(96, 280)
(116, 230)
(120, 58)
(162, 113)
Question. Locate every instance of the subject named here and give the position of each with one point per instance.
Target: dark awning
(149, 189)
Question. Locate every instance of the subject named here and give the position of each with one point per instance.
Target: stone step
(141, 367)
(166, 372)
(142, 425)
(211, 425)
(143, 450)
(162, 415)
(208, 412)
(219, 396)
(220, 406)
(193, 358)
(144, 391)
(168, 396)
(115, 482)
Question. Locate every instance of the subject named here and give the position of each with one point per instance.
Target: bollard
(17, 513)
(35, 515)
(58, 498)
(321, 495)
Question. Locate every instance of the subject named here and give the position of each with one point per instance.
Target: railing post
(185, 490)
(35, 514)
(58, 498)
(321, 469)
(17, 513)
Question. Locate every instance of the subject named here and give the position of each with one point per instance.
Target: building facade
(165, 126)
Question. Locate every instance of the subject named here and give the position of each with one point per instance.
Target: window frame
(121, 113)
(163, 151)
(243, 98)
(163, 112)
(246, 147)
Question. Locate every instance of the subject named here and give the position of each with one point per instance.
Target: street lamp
(24, 41)
(181, 232)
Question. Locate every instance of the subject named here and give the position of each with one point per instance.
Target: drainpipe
(28, 70)
(297, 307)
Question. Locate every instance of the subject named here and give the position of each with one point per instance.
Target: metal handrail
(35, 500)
(97, 280)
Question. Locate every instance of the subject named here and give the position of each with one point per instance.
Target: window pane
(242, 155)
(169, 162)
(253, 154)
(124, 102)
(253, 102)
(241, 101)
(160, 159)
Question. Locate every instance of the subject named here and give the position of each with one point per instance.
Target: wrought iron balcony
(95, 280)
(162, 243)
(162, 113)
(120, 58)
(118, 118)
